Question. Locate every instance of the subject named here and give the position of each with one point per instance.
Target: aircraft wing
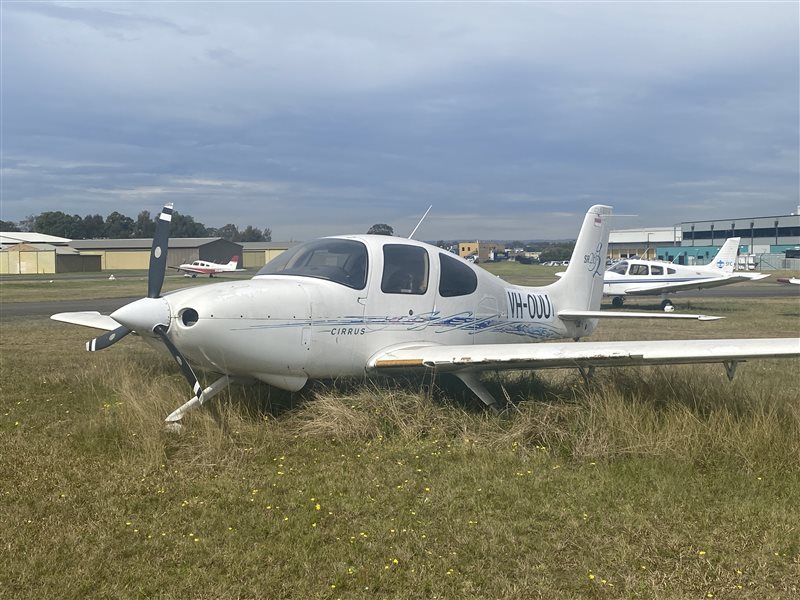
(89, 318)
(682, 286)
(482, 357)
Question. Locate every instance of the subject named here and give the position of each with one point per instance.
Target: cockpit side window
(341, 261)
(638, 270)
(405, 269)
(455, 278)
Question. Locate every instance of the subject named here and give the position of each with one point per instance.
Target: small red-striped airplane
(205, 267)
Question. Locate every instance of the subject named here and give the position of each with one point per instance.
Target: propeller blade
(187, 371)
(158, 253)
(104, 341)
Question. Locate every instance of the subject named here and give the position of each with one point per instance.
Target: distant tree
(517, 244)
(251, 234)
(145, 226)
(184, 226)
(267, 233)
(228, 232)
(557, 252)
(381, 229)
(118, 226)
(27, 223)
(8, 226)
(93, 227)
(59, 224)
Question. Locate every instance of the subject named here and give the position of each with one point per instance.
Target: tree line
(119, 226)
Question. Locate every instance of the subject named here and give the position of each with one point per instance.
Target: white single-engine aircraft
(364, 304)
(634, 277)
(206, 267)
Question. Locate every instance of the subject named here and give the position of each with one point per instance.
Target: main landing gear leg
(474, 383)
(586, 373)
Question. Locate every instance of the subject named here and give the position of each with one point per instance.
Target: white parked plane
(634, 277)
(206, 267)
(364, 304)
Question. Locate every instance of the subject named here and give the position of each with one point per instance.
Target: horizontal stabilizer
(577, 315)
(90, 318)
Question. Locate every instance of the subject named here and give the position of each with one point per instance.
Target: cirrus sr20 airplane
(357, 305)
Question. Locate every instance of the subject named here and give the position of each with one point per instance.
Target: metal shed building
(119, 255)
(257, 254)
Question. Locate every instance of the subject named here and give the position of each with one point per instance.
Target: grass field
(648, 483)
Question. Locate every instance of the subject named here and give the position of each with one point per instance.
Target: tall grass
(655, 483)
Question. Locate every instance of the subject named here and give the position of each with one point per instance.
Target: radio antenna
(420, 222)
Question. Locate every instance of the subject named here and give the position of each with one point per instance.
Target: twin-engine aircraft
(356, 305)
(652, 278)
(206, 267)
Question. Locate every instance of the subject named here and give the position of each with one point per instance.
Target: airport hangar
(134, 253)
(764, 241)
(32, 253)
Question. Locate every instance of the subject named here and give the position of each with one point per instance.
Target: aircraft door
(405, 290)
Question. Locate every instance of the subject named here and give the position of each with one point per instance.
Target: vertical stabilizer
(234, 263)
(581, 286)
(725, 260)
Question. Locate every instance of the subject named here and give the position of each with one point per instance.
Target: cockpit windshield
(620, 268)
(342, 261)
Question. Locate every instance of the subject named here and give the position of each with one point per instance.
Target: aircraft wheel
(617, 302)
(665, 303)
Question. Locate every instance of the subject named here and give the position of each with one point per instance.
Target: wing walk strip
(584, 354)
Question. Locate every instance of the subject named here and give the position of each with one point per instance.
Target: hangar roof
(30, 237)
(25, 247)
(140, 243)
(267, 245)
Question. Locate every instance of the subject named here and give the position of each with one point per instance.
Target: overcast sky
(316, 119)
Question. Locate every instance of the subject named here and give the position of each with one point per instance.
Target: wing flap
(577, 315)
(89, 318)
(583, 354)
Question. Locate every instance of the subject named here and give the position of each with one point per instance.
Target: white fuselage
(285, 329)
(643, 274)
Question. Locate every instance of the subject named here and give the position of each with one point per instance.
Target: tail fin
(581, 286)
(725, 260)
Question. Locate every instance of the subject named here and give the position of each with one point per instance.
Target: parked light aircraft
(206, 267)
(792, 280)
(635, 277)
(374, 304)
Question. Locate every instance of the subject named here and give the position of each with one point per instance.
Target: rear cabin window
(405, 269)
(342, 261)
(670, 271)
(656, 270)
(456, 278)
